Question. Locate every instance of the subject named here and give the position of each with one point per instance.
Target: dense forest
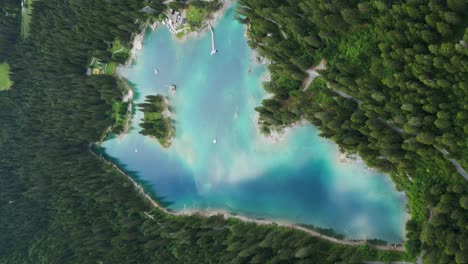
(157, 120)
(60, 203)
(10, 19)
(394, 91)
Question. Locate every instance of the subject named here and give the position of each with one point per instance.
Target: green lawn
(104, 68)
(151, 116)
(120, 51)
(5, 82)
(117, 46)
(110, 68)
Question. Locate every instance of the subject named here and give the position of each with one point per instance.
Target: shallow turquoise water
(298, 180)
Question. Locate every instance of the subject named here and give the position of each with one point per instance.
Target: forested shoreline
(394, 92)
(61, 204)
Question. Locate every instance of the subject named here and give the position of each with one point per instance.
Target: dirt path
(444, 152)
(455, 164)
(285, 36)
(312, 74)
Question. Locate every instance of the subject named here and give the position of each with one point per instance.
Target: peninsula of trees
(157, 120)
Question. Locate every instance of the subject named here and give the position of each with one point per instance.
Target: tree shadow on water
(145, 184)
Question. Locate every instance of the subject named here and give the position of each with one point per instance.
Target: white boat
(214, 141)
(156, 71)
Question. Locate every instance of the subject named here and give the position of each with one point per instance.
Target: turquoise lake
(298, 180)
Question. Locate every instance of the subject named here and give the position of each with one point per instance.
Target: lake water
(299, 180)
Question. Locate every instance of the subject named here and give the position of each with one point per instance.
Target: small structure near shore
(174, 20)
(191, 19)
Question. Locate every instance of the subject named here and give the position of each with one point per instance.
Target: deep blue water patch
(300, 179)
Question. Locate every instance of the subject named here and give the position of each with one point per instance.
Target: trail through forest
(312, 74)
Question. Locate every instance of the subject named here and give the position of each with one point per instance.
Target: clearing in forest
(5, 82)
(26, 13)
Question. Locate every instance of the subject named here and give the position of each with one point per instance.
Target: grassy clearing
(26, 18)
(195, 16)
(5, 82)
(104, 68)
(120, 115)
(118, 47)
(120, 51)
(110, 68)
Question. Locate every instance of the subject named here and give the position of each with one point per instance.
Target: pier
(213, 50)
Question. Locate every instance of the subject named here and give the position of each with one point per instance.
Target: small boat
(214, 140)
(156, 71)
(136, 150)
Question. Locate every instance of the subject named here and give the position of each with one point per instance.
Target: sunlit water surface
(298, 180)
